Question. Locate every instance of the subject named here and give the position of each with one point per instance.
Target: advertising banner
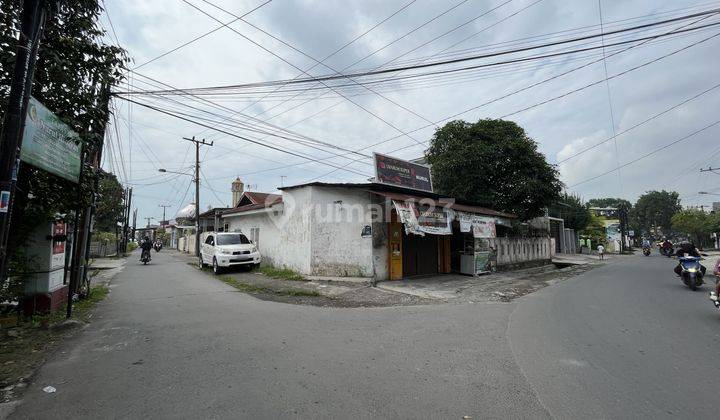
(50, 144)
(612, 233)
(435, 221)
(482, 227)
(392, 171)
(432, 220)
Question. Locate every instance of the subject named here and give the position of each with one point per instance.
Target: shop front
(429, 237)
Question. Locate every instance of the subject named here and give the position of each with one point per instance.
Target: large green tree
(494, 163)
(619, 203)
(696, 223)
(109, 203)
(656, 209)
(75, 67)
(571, 209)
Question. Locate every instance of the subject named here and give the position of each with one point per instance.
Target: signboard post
(401, 173)
(50, 144)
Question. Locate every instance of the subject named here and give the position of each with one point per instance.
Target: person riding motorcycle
(646, 243)
(714, 295)
(666, 246)
(687, 249)
(146, 246)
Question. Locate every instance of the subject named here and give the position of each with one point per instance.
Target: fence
(523, 250)
(102, 249)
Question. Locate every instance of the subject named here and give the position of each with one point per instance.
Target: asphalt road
(625, 340)
(172, 342)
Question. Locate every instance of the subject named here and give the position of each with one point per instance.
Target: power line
(665, 111)
(185, 44)
(463, 59)
(648, 154)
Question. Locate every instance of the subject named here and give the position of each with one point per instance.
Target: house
(376, 231)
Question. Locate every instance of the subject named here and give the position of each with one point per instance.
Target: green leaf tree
(695, 223)
(655, 209)
(571, 209)
(110, 207)
(494, 163)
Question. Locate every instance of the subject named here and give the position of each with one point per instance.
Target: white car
(226, 249)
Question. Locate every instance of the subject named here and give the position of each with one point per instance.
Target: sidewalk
(102, 270)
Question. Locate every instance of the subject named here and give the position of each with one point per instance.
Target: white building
(373, 230)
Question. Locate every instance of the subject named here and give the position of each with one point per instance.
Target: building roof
(211, 212)
(404, 194)
(268, 200)
(259, 197)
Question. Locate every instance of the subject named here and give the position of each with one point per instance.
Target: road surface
(625, 340)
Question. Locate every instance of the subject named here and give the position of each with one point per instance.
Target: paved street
(625, 340)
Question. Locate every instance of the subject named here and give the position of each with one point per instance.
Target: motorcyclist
(714, 295)
(667, 245)
(646, 243)
(687, 249)
(146, 246)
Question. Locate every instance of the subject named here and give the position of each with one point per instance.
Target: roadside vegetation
(254, 288)
(281, 273)
(24, 347)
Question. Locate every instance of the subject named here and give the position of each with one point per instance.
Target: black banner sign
(392, 171)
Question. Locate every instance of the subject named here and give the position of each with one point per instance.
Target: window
(232, 239)
(209, 240)
(255, 236)
(226, 228)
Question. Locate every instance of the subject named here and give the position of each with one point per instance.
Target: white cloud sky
(562, 127)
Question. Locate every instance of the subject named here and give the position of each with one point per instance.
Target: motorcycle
(668, 252)
(145, 257)
(646, 251)
(691, 272)
(157, 246)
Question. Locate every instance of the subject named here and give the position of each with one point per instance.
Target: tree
(571, 209)
(696, 223)
(656, 209)
(73, 70)
(494, 163)
(618, 203)
(595, 230)
(110, 207)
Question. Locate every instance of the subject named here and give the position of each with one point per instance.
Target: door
(444, 265)
(208, 249)
(395, 244)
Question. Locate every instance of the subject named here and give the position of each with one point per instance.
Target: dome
(187, 212)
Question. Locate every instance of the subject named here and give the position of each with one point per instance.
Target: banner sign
(435, 221)
(50, 144)
(431, 220)
(392, 171)
(482, 227)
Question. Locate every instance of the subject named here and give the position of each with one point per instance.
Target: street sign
(50, 144)
(392, 171)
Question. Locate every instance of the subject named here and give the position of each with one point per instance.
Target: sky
(648, 102)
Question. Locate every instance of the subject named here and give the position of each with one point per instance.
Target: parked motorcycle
(691, 272)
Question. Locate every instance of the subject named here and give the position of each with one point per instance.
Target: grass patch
(251, 288)
(282, 273)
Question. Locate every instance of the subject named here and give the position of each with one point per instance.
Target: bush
(132, 246)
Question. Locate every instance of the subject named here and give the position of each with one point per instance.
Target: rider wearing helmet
(687, 249)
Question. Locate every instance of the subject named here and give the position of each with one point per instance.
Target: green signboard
(50, 144)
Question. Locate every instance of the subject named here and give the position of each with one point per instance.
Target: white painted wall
(338, 218)
(284, 230)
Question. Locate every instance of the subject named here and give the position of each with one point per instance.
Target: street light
(707, 193)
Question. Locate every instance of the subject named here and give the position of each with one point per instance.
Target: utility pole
(197, 189)
(134, 223)
(34, 14)
(164, 206)
(126, 224)
(148, 220)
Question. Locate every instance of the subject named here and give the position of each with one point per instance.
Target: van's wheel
(216, 268)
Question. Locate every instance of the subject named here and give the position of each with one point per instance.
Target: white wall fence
(186, 244)
(522, 250)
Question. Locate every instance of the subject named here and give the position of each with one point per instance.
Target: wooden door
(395, 250)
(444, 265)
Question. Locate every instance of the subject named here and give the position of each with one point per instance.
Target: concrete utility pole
(197, 189)
(164, 206)
(126, 221)
(134, 225)
(34, 14)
